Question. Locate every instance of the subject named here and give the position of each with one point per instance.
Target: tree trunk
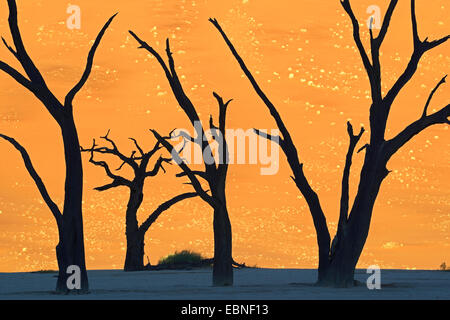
(134, 260)
(70, 250)
(349, 242)
(340, 270)
(223, 259)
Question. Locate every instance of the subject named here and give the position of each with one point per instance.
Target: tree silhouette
(215, 172)
(139, 162)
(338, 258)
(70, 249)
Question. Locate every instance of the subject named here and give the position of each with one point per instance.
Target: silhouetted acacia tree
(338, 258)
(139, 162)
(70, 249)
(215, 172)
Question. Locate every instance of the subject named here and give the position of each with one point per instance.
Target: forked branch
(354, 139)
(117, 180)
(430, 97)
(425, 121)
(420, 48)
(187, 171)
(34, 81)
(183, 100)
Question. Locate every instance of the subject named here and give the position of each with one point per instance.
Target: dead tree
(139, 163)
(215, 172)
(70, 249)
(338, 258)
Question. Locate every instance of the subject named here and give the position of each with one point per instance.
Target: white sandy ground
(251, 284)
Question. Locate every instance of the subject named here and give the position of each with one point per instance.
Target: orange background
(303, 55)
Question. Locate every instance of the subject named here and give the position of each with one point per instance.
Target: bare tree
(338, 258)
(139, 162)
(215, 172)
(70, 249)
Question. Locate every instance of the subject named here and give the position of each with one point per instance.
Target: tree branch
(144, 45)
(36, 83)
(439, 117)
(124, 163)
(273, 111)
(137, 146)
(37, 179)
(420, 48)
(323, 235)
(178, 91)
(201, 174)
(357, 38)
(223, 107)
(158, 166)
(114, 184)
(117, 180)
(180, 162)
(224, 155)
(354, 139)
(20, 52)
(187, 137)
(87, 71)
(274, 138)
(163, 207)
(430, 97)
(16, 75)
(14, 52)
(115, 151)
(386, 22)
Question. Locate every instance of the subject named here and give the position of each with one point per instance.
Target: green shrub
(182, 257)
(45, 271)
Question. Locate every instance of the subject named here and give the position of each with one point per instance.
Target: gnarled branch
(115, 151)
(180, 162)
(117, 180)
(137, 146)
(158, 166)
